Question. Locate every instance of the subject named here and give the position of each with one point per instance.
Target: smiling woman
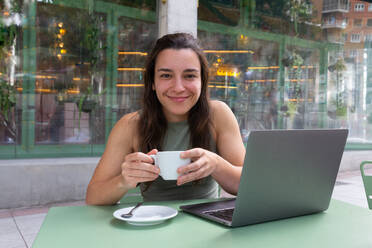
(177, 82)
(176, 115)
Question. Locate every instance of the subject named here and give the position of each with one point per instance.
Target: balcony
(336, 6)
(340, 25)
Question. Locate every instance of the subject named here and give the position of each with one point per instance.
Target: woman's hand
(137, 168)
(203, 164)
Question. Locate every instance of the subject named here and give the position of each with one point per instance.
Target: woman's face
(177, 82)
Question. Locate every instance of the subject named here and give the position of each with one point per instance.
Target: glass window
(70, 75)
(12, 76)
(355, 38)
(353, 53)
(368, 37)
(369, 22)
(359, 7)
(345, 37)
(274, 73)
(61, 83)
(135, 41)
(331, 20)
(357, 22)
(220, 11)
(244, 74)
(70, 69)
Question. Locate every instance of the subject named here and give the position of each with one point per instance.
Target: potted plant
(337, 108)
(7, 102)
(87, 102)
(338, 67)
(293, 60)
(61, 87)
(8, 35)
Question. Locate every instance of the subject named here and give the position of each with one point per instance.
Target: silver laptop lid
(288, 173)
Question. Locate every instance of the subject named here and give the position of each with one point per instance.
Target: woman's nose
(178, 84)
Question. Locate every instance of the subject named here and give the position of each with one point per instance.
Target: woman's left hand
(203, 164)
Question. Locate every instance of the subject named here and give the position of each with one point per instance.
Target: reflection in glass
(70, 69)
(135, 39)
(307, 64)
(244, 74)
(69, 87)
(300, 103)
(10, 73)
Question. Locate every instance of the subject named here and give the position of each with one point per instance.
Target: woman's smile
(178, 98)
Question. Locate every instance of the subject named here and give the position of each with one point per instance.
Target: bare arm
(120, 167)
(230, 148)
(226, 167)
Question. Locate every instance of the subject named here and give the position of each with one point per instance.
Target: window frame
(355, 38)
(359, 7)
(358, 22)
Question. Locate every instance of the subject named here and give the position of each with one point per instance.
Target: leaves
(7, 37)
(89, 43)
(7, 99)
(87, 101)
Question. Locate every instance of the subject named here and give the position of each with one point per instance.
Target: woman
(176, 115)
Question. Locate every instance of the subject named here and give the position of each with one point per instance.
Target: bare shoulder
(223, 119)
(219, 111)
(126, 130)
(129, 120)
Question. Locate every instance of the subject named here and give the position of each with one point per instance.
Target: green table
(342, 225)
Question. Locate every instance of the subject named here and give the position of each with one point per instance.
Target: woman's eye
(165, 75)
(190, 76)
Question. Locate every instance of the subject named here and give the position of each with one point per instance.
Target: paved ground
(19, 227)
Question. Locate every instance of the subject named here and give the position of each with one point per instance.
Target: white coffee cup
(168, 163)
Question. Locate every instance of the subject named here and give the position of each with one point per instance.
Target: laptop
(286, 173)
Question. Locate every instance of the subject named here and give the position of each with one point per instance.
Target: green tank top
(177, 139)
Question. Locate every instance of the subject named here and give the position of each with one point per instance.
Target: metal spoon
(130, 214)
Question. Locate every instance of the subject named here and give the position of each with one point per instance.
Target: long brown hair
(152, 123)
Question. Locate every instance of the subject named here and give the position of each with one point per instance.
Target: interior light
(130, 69)
(73, 91)
(132, 53)
(229, 51)
(129, 85)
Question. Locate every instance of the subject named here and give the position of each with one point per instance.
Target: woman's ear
(153, 86)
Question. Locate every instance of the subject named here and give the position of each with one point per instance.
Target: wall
(33, 182)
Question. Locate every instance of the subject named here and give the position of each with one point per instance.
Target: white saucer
(147, 215)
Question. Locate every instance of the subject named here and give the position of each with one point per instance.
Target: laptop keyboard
(225, 214)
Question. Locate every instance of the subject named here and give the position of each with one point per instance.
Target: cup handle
(154, 157)
(155, 162)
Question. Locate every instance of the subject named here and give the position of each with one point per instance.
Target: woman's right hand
(137, 168)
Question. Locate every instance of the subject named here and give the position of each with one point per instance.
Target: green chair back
(367, 180)
(132, 196)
